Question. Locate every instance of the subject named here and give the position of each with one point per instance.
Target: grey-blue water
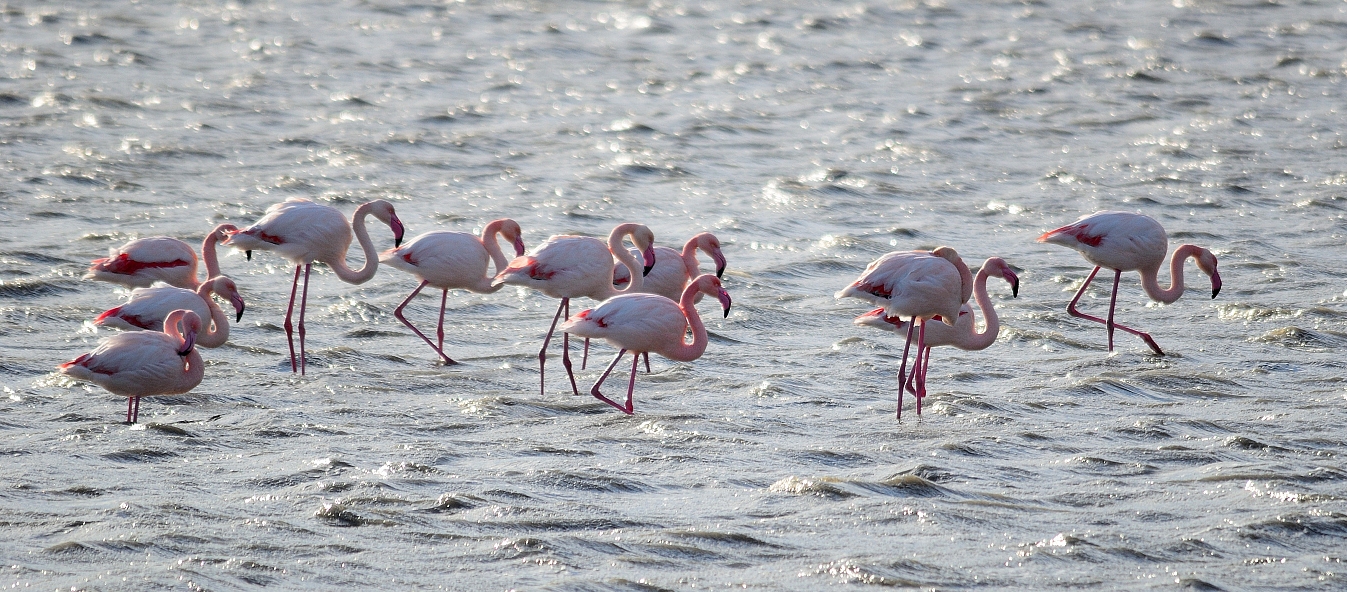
(811, 138)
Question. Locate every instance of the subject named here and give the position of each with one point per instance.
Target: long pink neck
(366, 271)
(635, 268)
(493, 250)
(218, 332)
(972, 340)
(1150, 281)
(690, 266)
(687, 352)
(208, 255)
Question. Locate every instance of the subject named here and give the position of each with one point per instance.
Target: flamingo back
(141, 363)
(1124, 241)
(148, 307)
(445, 260)
(635, 322)
(564, 266)
(910, 284)
(141, 262)
(299, 230)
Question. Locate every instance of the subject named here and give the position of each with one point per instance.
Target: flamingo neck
(493, 250)
(686, 352)
(217, 333)
(691, 268)
(635, 269)
(974, 340)
(1150, 281)
(208, 254)
(366, 271)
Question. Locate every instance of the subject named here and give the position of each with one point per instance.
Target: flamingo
(303, 232)
(448, 260)
(144, 261)
(963, 335)
(1126, 241)
(919, 285)
(648, 323)
(144, 363)
(568, 266)
(671, 273)
(148, 307)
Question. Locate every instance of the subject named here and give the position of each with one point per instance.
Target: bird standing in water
(1124, 241)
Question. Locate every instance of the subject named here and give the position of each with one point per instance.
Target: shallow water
(810, 139)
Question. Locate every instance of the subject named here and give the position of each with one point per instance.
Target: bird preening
(647, 295)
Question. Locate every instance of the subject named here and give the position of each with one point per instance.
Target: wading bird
(144, 363)
(149, 307)
(142, 262)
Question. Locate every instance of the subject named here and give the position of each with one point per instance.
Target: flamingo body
(453, 260)
(149, 307)
(644, 323)
(911, 284)
(303, 232)
(144, 363)
(144, 261)
(1126, 241)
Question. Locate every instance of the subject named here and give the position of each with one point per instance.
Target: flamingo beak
(719, 258)
(248, 254)
(518, 246)
(1215, 284)
(189, 341)
(1014, 283)
(649, 260)
(724, 301)
(398, 230)
(237, 301)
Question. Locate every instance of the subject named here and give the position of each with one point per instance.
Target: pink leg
(921, 380)
(1071, 308)
(566, 352)
(289, 327)
(129, 401)
(924, 360)
(902, 369)
(397, 312)
(303, 305)
(135, 415)
(628, 409)
(1112, 304)
(444, 299)
(542, 353)
(646, 355)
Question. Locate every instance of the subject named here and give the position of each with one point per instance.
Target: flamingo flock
(646, 296)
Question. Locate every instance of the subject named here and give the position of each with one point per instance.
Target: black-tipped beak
(725, 302)
(1215, 284)
(239, 317)
(519, 246)
(720, 262)
(649, 261)
(719, 272)
(248, 254)
(1015, 288)
(398, 230)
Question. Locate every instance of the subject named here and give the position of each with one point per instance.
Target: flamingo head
(383, 211)
(511, 231)
(996, 266)
(226, 287)
(1206, 262)
(644, 239)
(710, 245)
(223, 232)
(185, 324)
(709, 284)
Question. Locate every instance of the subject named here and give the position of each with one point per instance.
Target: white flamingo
(144, 363)
(149, 307)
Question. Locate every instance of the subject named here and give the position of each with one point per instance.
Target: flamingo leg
(289, 327)
(921, 380)
(135, 415)
(902, 369)
(128, 408)
(925, 361)
(444, 298)
(598, 395)
(397, 312)
(303, 305)
(1071, 308)
(584, 359)
(566, 351)
(542, 353)
(646, 355)
(1112, 304)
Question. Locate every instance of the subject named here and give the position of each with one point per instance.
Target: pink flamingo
(648, 323)
(303, 232)
(671, 273)
(919, 285)
(453, 260)
(1124, 241)
(963, 334)
(144, 363)
(568, 266)
(149, 307)
(144, 261)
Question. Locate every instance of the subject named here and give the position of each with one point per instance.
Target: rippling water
(810, 138)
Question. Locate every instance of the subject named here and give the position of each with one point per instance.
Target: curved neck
(1150, 281)
(686, 352)
(493, 250)
(173, 327)
(217, 333)
(208, 255)
(366, 271)
(974, 340)
(690, 258)
(635, 268)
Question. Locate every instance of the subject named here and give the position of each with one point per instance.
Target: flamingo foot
(629, 408)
